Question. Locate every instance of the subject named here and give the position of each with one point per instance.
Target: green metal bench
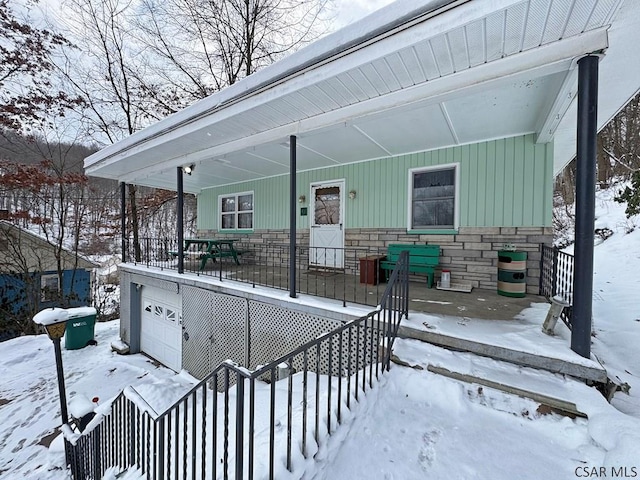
(422, 259)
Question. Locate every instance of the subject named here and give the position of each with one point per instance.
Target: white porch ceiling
(458, 73)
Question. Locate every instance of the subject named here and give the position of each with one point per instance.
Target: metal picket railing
(556, 278)
(235, 422)
(322, 271)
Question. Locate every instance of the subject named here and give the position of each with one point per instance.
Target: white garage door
(161, 332)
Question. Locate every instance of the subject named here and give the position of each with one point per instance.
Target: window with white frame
(49, 287)
(432, 197)
(236, 211)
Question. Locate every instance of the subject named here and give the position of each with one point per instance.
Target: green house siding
(505, 182)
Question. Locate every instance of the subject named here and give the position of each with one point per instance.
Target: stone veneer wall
(471, 255)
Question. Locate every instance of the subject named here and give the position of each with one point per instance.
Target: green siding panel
(480, 158)
(490, 193)
(547, 207)
(507, 182)
(518, 182)
(527, 187)
(498, 196)
(470, 158)
(507, 206)
(464, 186)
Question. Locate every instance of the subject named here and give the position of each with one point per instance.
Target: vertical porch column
(292, 216)
(585, 205)
(180, 220)
(123, 219)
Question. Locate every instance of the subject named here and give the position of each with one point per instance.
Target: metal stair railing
(236, 422)
(556, 278)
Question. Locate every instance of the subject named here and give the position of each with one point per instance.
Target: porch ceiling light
(188, 169)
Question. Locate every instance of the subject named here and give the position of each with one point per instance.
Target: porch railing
(238, 423)
(556, 278)
(325, 272)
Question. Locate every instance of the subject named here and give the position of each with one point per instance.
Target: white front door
(327, 220)
(161, 329)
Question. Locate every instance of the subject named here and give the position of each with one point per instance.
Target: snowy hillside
(616, 307)
(616, 301)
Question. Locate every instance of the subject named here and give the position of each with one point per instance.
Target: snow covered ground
(426, 426)
(414, 424)
(29, 404)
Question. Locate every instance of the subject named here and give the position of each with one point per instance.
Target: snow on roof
(82, 261)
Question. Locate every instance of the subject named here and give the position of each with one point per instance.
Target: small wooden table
(371, 272)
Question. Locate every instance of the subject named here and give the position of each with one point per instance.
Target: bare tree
(52, 194)
(200, 46)
(619, 144)
(27, 95)
(139, 60)
(108, 78)
(618, 151)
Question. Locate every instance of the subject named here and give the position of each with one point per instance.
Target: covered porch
(359, 281)
(481, 322)
(348, 288)
(494, 96)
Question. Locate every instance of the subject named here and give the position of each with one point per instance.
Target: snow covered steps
(553, 390)
(556, 358)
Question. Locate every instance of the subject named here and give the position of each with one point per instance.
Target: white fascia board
(545, 60)
(193, 118)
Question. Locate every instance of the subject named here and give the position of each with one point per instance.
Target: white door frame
(319, 258)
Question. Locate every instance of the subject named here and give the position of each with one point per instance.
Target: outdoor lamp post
(54, 320)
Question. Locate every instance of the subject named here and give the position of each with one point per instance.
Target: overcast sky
(347, 11)
(352, 10)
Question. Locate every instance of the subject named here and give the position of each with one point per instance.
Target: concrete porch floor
(480, 322)
(483, 304)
